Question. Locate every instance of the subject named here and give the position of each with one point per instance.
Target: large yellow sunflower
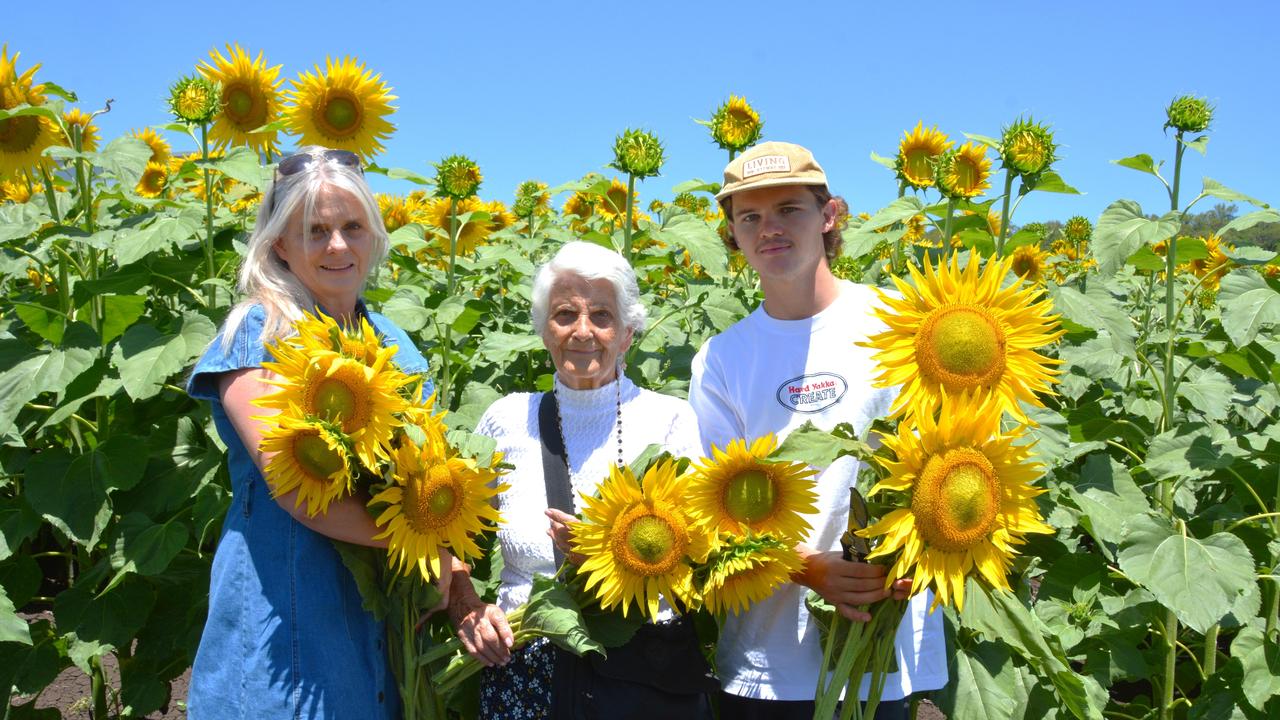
(310, 457)
(435, 498)
(363, 400)
(344, 107)
(88, 131)
(737, 489)
(612, 208)
(958, 331)
(636, 538)
(744, 570)
(964, 172)
(1029, 263)
(250, 98)
(155, 177)
(916, 154)
(160, 149)
(319, 332)
(969, 499)
(472, 233)
(22, 138)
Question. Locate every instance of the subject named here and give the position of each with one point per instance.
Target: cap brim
(775, 182)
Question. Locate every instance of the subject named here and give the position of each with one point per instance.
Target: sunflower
(19, 191)
(88, 131)
(738, 488)
(916, 154)
(250, 98)
(472, 233)
(612, 208)
(964, 172)
(1029, 262)
(155, 177)
(1027, 147)
(970, 499)
(398, 211)
(310, 457)
(635, 537)
(193, 99)
(958, 331)
(735, 125)
(638, 153)
(361, 399)
(343, 107)
(532, 199)
(160, 150)
(744, 570)
(1213, 267)
(320, 333)
(435, 498)
(917, 232)
(22, 138)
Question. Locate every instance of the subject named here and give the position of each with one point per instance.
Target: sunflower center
(961, 346)
(650, 538)
(750, 497)
(335, 400)
(239, 106)
(341, 115)
(919, 165)
(19, 134)
(431, 499)
(965, 175)
(315, 456)
(956, 499)
(1026, 266)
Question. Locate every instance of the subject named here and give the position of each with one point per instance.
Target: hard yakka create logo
(812, 393)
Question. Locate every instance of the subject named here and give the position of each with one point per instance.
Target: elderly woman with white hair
(286, 635)
(587, 309)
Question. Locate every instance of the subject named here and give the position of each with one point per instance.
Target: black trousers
(736, 707)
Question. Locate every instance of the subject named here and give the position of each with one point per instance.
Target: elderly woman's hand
(482, 628)
(561, 535)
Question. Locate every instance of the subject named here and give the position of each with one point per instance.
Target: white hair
(265, 279)
(589, 262)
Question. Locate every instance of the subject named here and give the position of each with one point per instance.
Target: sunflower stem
(626, 231)
(897, 257)
(446, 370)
(1004, 212)
(210, 290)
(946, 224)
(1210, 664)
(98, 688)
(1170, 654)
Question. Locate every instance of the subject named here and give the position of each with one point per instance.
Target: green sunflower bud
(531, 199)
(637, 153)
(1189, 114)
(194, 99)
(1078, 229)
(1027, 147)
(457, 177)
(735, 125)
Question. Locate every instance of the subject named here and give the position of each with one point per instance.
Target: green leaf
(12, 627)
(407, 311)
(1187, 451)
(125, 158)
(119, 312)
(1213, 188)
(146, 359)
(365, 564)
(75, 505)
(696, 185)
(501, 348)
(1200, 144)
(1141, 162)
(400, 174)
(35, 374)
(990, 142)
(552, 613)
(1209, 392)
(1108, 496)
(897, 211)
(1261, 662)
(1199, 580)
(242, 164)
(166, 232)
(1248, 305)
(1250, 255)
(113, 617)
(1050, 181)
(700, 239)
(1123, 228)
(43, 318)
(145, 547)
(1244, 222)
(975, 692)
(17, 523)
(882, 160)
(1097, 309)
(818, 448)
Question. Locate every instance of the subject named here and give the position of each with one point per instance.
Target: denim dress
(286, 636)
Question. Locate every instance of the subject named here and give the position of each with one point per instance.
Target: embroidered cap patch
(765, 164)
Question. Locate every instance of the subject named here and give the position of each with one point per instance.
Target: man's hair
(832, 240)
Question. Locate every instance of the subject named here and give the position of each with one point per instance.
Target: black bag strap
(555, 461)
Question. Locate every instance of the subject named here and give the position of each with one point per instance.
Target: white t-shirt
(762, 376)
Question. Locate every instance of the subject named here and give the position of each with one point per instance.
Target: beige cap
(769, 165)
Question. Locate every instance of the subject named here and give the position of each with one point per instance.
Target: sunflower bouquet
(956, 478)
(349, 422)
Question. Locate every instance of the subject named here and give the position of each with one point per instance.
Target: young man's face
(779, 230)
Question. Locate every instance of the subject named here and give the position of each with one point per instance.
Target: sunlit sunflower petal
(345, 106)
(250, 98)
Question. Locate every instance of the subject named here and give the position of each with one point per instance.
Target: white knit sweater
(588, 418)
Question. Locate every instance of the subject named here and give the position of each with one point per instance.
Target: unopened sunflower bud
(637, 153)
(735, 125)
(1189, 114)
(457, 177)
(194, 99)
(1027, 147)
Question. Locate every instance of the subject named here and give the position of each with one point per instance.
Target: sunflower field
(1151, 591)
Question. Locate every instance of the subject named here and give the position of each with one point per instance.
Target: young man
(795, 359)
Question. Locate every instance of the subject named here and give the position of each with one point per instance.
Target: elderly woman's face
(331, 257)
(585, 332)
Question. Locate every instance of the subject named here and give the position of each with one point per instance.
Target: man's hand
(849, 586)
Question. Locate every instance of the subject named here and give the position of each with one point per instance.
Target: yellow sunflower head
(160, 149)
(18, 191)
(966, 499)
(313, 458)
(637, 540)
(916, 228)
(22, 138)
(957, 331)
(744, 570)
(250, 98)
(471, 233)
(738, 490)
(964, 172)
(1027, 147)
(735, 125)
(637, 153)
(155, 177)
(194, 99)
(916, 155)
(77, 118)
(435, 499)
(344, 106)
(1029, 263)
(398, 211)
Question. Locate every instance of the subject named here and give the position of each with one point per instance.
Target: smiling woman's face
(585, 333)
(331, 256)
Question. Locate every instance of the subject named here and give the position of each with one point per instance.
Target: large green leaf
(43, 317)
(17, 523)
(41, 372)
(242, 164)
(1187, 451)
(119, 312)
(147, 359)
(819, 448)
(1209, 392)
(1199, 580)
(77, 506)
(977, 689)
(1248, 220)
(1261, 662)
(1249, 304)
(134, 244)
(12, 627)
(552, 613)
(700, 239)
(1108, 496)
(1096, 309)
(1141, 162)
(501, 348)
(1213, 188)
(1123, 228)
(145, 547)
(1050, 181)
(125, 158)
(112, 617)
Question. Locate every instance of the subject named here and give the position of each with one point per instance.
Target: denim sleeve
(245, 350)
(408, 357)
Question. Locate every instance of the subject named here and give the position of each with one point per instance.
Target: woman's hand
(562, 536)
(849, 586)
(482, 627)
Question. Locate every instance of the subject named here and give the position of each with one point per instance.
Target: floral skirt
(520, 690)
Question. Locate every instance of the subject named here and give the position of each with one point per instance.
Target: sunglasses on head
(298, 162)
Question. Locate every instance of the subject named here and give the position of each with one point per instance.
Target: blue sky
(540, 89)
